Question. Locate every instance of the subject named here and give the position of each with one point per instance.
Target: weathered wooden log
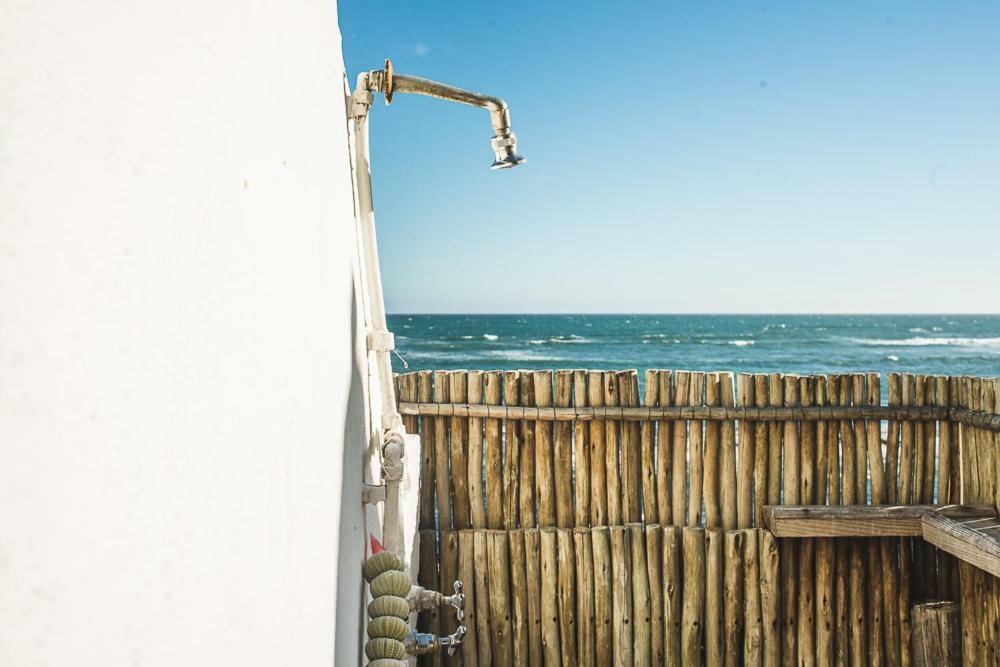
(647, 438)
(664, 458)
(566, 568)
(710, 482)
(597, 443)
(533, 572)
(747, 452)
(732, 597)
(550, 597)
(481, 577)
(728, 489)
(498, 573)
(585, 612)
(770, 598)
(581, 454)
(474, 466)
(672, 594)
(679, 449)
(611, 452)
(937, 636)
(492, 453)
(519, 616)
(654, 572)
(512, 491)
(628, 393)
(603, 603)
(545, 494)
(466, 572)
(458, 448)
(621, 594)
(693, 614)
(753, 635)
(696, 453)
(562, 453)
(714, 609)
(641, 618)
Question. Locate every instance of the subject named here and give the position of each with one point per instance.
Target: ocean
(801, 344)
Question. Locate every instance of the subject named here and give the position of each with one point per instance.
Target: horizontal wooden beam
(861, 520)
(975, 541)
(711, 413)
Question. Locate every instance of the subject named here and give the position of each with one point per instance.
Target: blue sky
(690, 157)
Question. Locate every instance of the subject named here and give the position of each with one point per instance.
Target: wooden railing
(595, 525)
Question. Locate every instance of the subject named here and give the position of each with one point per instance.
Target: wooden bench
(864, 520)
(974, 540)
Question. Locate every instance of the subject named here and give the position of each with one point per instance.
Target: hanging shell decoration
(389, 605)
(389, 627)
(390, 582)
(385, 648)
(383, 561)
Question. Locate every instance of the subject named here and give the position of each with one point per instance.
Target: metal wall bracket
(372, 493)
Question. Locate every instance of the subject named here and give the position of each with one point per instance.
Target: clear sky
(690, 157)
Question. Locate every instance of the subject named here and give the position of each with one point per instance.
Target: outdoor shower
(391, 637)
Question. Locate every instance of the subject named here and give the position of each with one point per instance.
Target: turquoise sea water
(931, 344)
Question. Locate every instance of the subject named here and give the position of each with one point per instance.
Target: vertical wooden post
(493, 453)
(654, 573)
(466, 572)
(775, 397)
(770, 598)
(566, 568)
(611, 434)
(696, 461)
(693, 614)
(458, 392)
(753, 635)
(727, 457)
(647, 436)
(520, 618)
(603, 604)
(621, 565)
(628, 393)
(543, 468)
(641, 616)
(481, 576)
(581, 453)
(747, 453)
(585, 613)
(680, 434)
(806, 611)
(512, 430)
(474, 472)
(710, 485)
(762, 450)
(448, 553)
(442, 472)
(732, 597)
(937, 640)
(533, 572)
(672, 594)
(429, 620)
(824, 602)
(714, 606)
(664, 443)
(498, 573)
(562, 455)
(791, 490)
(598, 467)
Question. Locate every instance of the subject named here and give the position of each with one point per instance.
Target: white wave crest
(741, 343)
(929, 341)
(490, 336)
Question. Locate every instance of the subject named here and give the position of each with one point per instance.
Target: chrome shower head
(387, 82)
(505, 153)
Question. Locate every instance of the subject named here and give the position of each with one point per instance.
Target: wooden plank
(693, 613)
(429, 620)
(775, 397)
(790, 493)
(825, 622)
(562, 461)
(581, 454)
(597, 443)
(890, 580)
(603, 603)
(805, 579)
(975, 541)
(727, 457)
(861, 520)
(762, 451)
(664, 440)
(448, 554)
(527, 452)
(585, 613)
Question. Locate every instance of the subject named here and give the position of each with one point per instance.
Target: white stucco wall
(179, 362)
